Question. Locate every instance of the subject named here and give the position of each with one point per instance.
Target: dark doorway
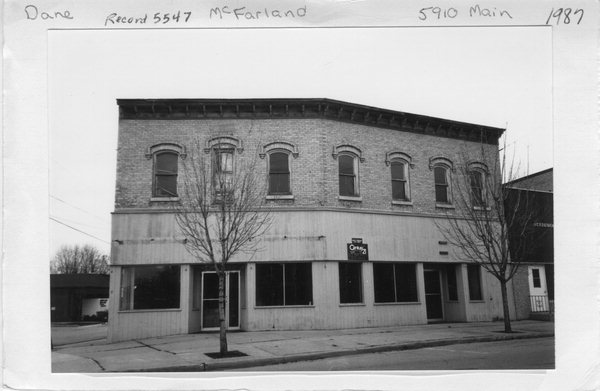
(433, 295)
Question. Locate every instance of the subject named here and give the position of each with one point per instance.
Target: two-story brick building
(342, 177)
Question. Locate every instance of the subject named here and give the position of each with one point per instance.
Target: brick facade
(314, 173)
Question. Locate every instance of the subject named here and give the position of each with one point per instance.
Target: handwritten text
(245, 13)
(34, 13)
(474, 11)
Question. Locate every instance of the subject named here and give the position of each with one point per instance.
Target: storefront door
(210, 300)
(537, 289)
(433, 295)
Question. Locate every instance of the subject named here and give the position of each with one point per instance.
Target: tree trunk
(507, 328)
(222, 325)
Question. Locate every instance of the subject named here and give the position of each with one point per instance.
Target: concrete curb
(256, 362)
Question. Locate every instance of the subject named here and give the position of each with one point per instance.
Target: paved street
(515, 354)
(191, 352)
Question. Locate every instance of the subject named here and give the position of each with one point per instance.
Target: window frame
(480, 169)
(448, 166)
(356, 176)
(217, 151)
(156, 175)
(394, 273)
(406, 182)
(472, 271)
(284, 291)
(274, 195)
(127, 300)
(152, 153)
(359, 284)
(446, 184)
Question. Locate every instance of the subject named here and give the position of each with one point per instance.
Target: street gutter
(257, 362)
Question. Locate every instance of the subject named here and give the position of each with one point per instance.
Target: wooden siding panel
(151, 238)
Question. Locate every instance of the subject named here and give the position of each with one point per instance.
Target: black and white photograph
(387, 208)
(304, 198)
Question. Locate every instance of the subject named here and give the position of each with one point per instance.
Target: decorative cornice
(347, 148)
(441, 160)
(169, 146)
(398, 155)
(184, 109)
(224, 142)
(278, 145)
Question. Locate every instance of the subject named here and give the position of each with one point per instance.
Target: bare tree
(492, 223)
(221, 212)
(77, 259)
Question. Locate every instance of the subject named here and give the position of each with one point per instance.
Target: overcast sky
(491, 76)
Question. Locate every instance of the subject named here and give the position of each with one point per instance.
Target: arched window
(442, 168)
(348, 174)
(442, 186)
(400, 184)
(165, 174)
(477, 173)
(476, 180)
(223, 171)
(165, 160)
(279, 173)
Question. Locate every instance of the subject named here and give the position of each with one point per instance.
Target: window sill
(150, 310)
(164, 199)
(352, 305)
(348, 198)
(267, 307)
(398, 202)
(444, 206)
(280, 197)
(399, 303)
(476, 301)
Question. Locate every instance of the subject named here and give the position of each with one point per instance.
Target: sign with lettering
(357, 250)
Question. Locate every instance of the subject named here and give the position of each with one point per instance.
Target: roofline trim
(288, 108)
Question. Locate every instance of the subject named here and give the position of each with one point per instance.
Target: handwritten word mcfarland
(266, 13)
(33, 13)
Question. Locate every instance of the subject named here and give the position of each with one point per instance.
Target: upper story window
(165, 169)
(442, 168)
(348, 159)
(165, 174)
(477, 179)
(476, 183)
(440, 174)
(399, 181)
(278, 168)
(399, 163)
(279, 173)
(223, 170)
(223, 149)
(348, 172)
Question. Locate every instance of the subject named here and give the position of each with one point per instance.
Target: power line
(73, 206)
(78, 230)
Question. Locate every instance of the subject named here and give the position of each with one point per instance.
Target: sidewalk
(187, 352)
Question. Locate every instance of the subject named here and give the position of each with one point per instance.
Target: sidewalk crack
(97, 363)
(152, 347)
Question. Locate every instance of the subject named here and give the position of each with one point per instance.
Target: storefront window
(149, 287)
(280, 284)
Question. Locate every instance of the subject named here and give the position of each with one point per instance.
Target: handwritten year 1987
(565, 16)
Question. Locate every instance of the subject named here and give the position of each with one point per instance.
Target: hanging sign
(357, 250)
